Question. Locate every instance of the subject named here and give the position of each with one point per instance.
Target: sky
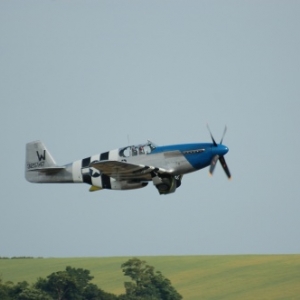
(86, 77)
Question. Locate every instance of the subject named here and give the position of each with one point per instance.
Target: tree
(146, 284)
(4, 290)
(68, 284)
(31, 293)
(16, 289)
(72, 284)
(21, 291)
(92, 292)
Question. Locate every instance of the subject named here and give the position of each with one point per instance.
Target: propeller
(220, 155)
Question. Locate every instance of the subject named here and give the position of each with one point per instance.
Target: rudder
(38, 158)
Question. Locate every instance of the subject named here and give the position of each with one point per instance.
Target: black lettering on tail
(42, 156)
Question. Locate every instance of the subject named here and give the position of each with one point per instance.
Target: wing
(125, 171)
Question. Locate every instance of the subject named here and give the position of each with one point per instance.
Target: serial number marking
(35, 165)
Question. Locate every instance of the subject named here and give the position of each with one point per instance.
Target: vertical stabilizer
(40, 165)
(37, 156)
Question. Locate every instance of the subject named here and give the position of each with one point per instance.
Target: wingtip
(94, 188)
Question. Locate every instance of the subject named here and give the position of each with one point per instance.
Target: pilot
(133, 151)
(141, 150)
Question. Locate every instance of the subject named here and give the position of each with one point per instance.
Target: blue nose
(220, 150)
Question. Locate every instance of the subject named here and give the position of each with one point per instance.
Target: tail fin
(39, 160)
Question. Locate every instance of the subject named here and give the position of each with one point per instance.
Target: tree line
(20, 257)
(75, 284)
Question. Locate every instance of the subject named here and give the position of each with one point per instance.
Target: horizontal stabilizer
(51, 170)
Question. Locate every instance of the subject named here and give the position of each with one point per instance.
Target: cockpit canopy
(135, 150)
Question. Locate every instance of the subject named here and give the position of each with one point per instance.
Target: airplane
(129, 167)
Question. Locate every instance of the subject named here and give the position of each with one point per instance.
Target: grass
(194, 277)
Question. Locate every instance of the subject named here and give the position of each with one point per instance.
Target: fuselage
(178, 159)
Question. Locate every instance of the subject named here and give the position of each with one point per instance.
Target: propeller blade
(212, 138)
(224, 166)
(225, 129)
(213, 164)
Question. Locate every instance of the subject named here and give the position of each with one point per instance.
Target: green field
(194, 277)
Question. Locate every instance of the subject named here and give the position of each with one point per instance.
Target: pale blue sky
(83, 75)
